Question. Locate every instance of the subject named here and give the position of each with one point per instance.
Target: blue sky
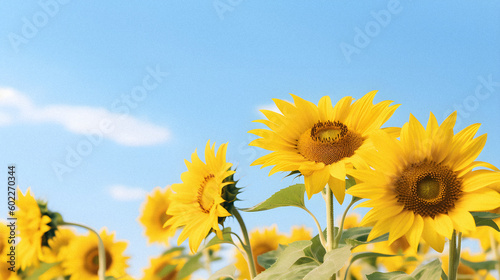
(166, 76)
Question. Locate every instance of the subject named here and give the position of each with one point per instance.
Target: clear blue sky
(208, 67)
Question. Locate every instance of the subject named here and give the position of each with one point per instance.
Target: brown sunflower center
(328, 142)
(92, 260)
(400, 245)
(428, 188)
(164, 217)
(207, 193)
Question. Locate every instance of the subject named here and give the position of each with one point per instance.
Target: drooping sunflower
(322, 142)
(423, 184)
(154, 215)
(56, 252)
(197, 203)
(82, 263)
(32, 225)
(261, 242)
(165, 267)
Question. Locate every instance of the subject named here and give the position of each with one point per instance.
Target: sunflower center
(428, 188)
(164, 217)
(328, 142)
(170, 276)
(400, 245)
(92, 261)
(207, 193)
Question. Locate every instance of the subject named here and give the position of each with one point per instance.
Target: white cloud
(126, 193)
(121, 128)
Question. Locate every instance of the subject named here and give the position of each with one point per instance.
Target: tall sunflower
(423, 185)
(196, 204)
(154, 215)
(165, 267)
(83, 261)
(32, 225)
(322, 142)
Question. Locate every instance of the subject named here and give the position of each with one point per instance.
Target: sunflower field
(423, 191)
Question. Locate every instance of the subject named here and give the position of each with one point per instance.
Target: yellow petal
(338, 188)
(401, 223)
(415, 233)
(444, 225)
(317, 181)
(430, 235)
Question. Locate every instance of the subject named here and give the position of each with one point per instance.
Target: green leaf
(172, 250)
(226, 238)
(41, 269)
(282, 268)
(358, 256)
(430, 270)
(488, 265)
(317, 251)
(486, 219)
(226, 272)
(290, 196)
(334, 261)
(357, 236)
(266, 260)
(350, 182)
(166, 270)
(192, 265)
(110, 278)
(396, 275)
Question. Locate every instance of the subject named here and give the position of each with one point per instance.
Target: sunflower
(196, 202)
(300, 233)
(423, 185)
(406, 260)
(154, 215)
(165, 267)
(261, 242)
(56, 252)
(5, 273)
(83, 261)
(322, 142)
(32, 225)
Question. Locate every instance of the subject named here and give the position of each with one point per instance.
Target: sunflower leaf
(365, 255)
(192, 265)
(284, 267)
(290, 196)
(397, 275)
(486, 219)
(488, 265)
(317, 251)
(226, 238)
(430, 270)
(334, 261)
(266, 260)
(225, 273)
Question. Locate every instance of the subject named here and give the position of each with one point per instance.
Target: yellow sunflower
(322, 142)
(407, 262)
(422, 185)
(164, 267)
(300, 233)
(196, 202)
(154, 215)
(5, 273)
(261, 242)
(82, 263)
(56, 252)
(32, 225)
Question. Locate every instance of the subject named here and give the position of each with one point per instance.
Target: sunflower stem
(330, 226)
(101, 273)
(454, 255)
(341, 228)
(247, 246)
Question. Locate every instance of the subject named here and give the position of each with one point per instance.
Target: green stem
(100, 247)
(330, 226)
(247, 246)
(454, 255)
(320, 231)
(341, 228)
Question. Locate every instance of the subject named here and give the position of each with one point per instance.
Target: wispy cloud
(120, 128)
(126, 193)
